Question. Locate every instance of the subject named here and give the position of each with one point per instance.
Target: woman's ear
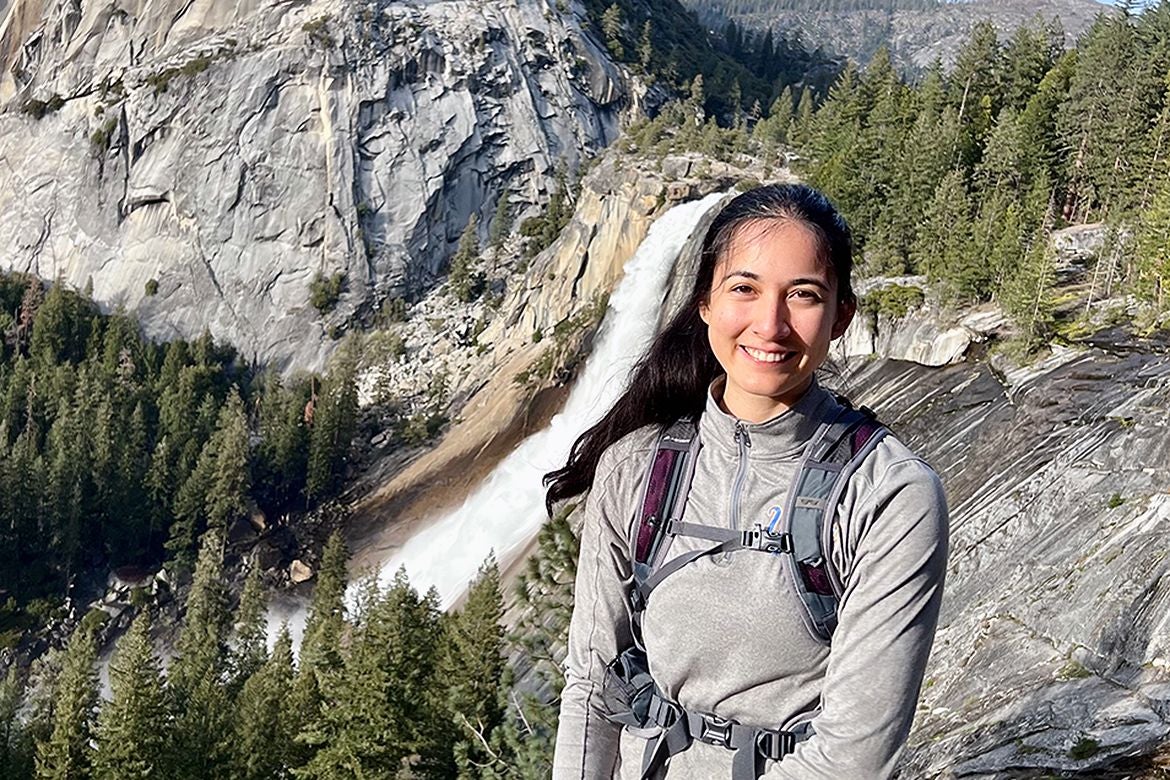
(845, 312)
(704, 313)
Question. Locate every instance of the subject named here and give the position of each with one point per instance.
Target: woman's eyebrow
(813, 282)
(745, 274)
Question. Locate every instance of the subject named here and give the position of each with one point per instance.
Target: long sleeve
(887, 619)
(587, 743)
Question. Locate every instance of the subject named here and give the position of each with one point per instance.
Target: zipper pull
(741, 435)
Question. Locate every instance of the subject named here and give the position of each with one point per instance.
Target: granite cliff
(201, 163)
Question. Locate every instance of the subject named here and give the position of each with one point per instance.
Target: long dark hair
(671, 380)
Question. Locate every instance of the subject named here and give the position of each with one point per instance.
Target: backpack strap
(835, 453)
(664, 498)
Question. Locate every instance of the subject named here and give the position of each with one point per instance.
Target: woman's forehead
(772, 241)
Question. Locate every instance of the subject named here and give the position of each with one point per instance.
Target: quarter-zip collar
(781, 438)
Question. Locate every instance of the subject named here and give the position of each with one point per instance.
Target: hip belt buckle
(715, 730)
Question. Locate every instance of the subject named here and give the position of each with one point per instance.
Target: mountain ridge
(916, 38)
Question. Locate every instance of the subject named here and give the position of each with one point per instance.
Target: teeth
(766, 357)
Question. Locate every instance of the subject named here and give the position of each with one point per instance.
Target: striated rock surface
(199, 163)
(1053, 651)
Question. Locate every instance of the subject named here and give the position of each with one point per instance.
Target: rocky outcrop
(200, 163)
(923, 334)
(1053, 651)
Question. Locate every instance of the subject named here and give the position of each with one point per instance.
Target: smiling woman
(692, 655)
(771, 316)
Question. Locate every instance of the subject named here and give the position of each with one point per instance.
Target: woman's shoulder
(628, 456)
(893, 460)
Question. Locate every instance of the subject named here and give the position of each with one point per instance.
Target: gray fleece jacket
(724, 634)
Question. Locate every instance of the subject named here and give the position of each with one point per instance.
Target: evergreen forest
(385, 684)
(963, 176)
(116, 451)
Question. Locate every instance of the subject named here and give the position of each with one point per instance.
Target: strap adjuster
(775, 745)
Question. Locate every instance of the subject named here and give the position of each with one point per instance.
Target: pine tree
(383, 713)
(67, 753)
(1026, 293)
(216, 492)
(263, 743)
(320, 656)
(501, 226)
(250, 650)
(611, 28)
(334, 423)
(525, 741)
(976, 91)
(473, 670)
(131, 734)
(227, 495)
(281, 460)
(646, 50)
(1152, 282)
(1041, 153)
(16, 752)
(464, 278)
(1102, 119)
(67, 471)
(1027, 57)
(943, 248)
(200, 747)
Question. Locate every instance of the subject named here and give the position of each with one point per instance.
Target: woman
(744, 684)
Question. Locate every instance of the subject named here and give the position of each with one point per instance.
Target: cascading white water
(507, 510)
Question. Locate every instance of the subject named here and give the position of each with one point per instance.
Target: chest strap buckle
(759, 538)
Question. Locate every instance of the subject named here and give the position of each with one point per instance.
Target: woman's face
(771, 314)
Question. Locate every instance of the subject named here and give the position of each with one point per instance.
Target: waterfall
(507, 510)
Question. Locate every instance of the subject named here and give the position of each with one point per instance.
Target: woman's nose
(771, 320)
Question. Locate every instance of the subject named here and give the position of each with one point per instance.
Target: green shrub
(1085, 748)
(393, 310)
(420, 427)
(151, 288)
(894, 301)
(100, 140)
(386, 346)
(93, 620)
(318, 31)
(324, 291)
(191, 67)
(41, 108)
(1114, 501)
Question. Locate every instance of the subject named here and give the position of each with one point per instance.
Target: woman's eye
(807, 295)
(741, 288)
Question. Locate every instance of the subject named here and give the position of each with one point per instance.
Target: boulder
(299, 571)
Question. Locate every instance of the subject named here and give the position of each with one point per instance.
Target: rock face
(922, 335)
(1053, 650)
(200, 163)
(915, 37)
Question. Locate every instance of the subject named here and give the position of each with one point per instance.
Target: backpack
(800, 535)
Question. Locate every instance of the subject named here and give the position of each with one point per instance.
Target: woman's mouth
(767, 356)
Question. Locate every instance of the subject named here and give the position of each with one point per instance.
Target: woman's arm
(886, 624)
(587, 743)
